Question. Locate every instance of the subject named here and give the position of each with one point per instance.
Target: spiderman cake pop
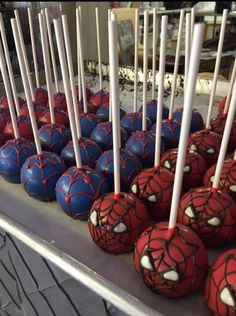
(170, 131)
(4, 104)
(38, 109)
(152, 111)
(116, 219)
(24, 126)
(220, 285)
(89, 93)
(170, 257)
(78, 187)
(61, 118)
(2, 140)
(60, 101)
(196, 120)
(41, 96)
(4, 118)
(227, 177)
(194, 167)
(132, 122)
(88, 122)
(103, 112)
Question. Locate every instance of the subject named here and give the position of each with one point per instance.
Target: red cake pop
(4, 118)
(61, 118)
(24, 126)
(222, 106)
(39, 108)
(4, 102)
(154, 185)
(227, 177)
(220, 286)
(194, 167)
(41, 96)
(171, 259)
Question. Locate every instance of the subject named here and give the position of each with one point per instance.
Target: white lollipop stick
(154, 43)
(176, 68)
(231, 84)
(110, 103)
(78, 57)
(47, 66)
(8, 93)
(24, 54)
(115, 102)
(145, 66)
(71, 74)
(81, 55)
(192, 21)
(26, 85)
(234, 155)
(136, 46)
(217, 67)
(99, 48)
(62, 57)
(187, 113)
(162, 61)
(33, 47)
(187, 47)
(9, 66)
(54, 65)
(225, 139)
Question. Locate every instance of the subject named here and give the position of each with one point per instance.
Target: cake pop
(153, 186)
(4, 118)
(142, 143)
(98, 99)
(14, 153)
(196, 120)
(116, 219)
(194, 167)
(210, 211)
(40, 172)
(39, 108)
(89, 93)
(103, 112)
(220, 285)
(227, 177)
(170, 257)
(205, 141)
(61, 118)
(152, 110)
(41, 96)
(60, 101)
(78, 187)
(2, 140)
(4, 104)
(88, 122)
(24, 126)
(222, 106)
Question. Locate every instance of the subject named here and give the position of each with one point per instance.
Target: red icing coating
(24, 127)
(4, 102)
(61, 118)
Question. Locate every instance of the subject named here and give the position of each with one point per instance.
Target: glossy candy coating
(152, 111)
(61, 118)
(24, 126)
(88, 121)
(103, 113)
(132, 122)
(196, 120)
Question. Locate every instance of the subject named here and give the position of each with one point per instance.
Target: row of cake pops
(171, 257)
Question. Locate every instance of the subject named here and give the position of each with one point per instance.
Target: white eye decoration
(189, 212)
(134, 188)
(233, 188)
(193, 147)
(186, 169)
(167, 164)
(94, 218)
(227, 298)
(171, 275)
(152, 198)
(120, 228)
(214, 221)
(145, 263)
(210, 151)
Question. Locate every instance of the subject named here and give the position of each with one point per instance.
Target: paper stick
(47, 66)
(81, 55)
(110, 103)
(115, 102)
(231, 84)
(54, 65)
(176, 68)
(234, 155)
(192, 22)
(33, 47)
(154, 39)
(78, 58)
(145, 66)
(19, 50)
(217, 67)
(24, 54)
(187, 47)
(187, 113)
(136, 47)
(225, 139)
(8, 92)
(71, 74)
(9, 66)
(99, 48)
(64, 69)
(162, 61)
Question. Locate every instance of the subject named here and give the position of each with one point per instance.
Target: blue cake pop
(54, 137)
(77, 189)
(132, 122)
(196, 121)
(88, 121)
(39, 175)
(89, 152)
(103, 112)
(130, 166)
(102, 135)
(152, 111)
(142, 144)
(12, 156)
(170, 131)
